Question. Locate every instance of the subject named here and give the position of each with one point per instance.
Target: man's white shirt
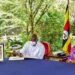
(30, 51)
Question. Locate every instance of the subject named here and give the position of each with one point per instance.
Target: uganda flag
(66, 33)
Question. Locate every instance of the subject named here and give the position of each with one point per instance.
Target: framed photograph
(1, 52)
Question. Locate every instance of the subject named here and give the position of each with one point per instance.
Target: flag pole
(68, 8)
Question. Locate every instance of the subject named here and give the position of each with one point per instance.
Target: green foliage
(52, 29)
(73, 28)
(24, 37)
(73, 41)
(44, 17)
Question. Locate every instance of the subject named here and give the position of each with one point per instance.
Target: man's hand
(14, 53)
(17, 53)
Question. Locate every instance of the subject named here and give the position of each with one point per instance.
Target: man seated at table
(32, 49)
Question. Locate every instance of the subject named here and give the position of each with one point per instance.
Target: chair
(47, 49)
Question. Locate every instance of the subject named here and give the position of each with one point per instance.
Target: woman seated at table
(32, 49)
(71, 58)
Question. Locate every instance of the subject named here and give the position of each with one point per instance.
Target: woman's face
(73, 56)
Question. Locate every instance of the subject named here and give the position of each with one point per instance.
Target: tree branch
(31, 17)
(38, 7)
(43, 12)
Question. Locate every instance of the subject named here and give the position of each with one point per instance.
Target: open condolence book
(16, 58)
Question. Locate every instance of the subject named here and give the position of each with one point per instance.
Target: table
(36, 67)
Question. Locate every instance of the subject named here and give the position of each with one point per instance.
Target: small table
(58, 58)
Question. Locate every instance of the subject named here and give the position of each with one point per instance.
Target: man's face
(34, 38)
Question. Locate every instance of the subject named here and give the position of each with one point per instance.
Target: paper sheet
(16, 58)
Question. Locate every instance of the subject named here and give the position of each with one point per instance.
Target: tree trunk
(32, 25)
(31, 17)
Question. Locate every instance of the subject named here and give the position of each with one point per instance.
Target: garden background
(21, 18)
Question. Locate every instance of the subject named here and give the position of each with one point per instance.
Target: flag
(66, 32)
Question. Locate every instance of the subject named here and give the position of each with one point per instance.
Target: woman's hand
(73, 61)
